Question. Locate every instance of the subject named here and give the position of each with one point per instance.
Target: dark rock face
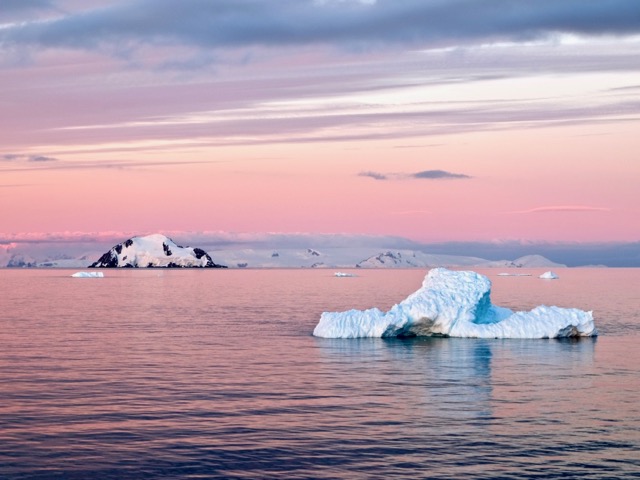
(17, 262)
(199, 253)
(211, 264)
(108, 260)
(167, 250)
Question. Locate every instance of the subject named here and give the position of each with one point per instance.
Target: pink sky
(144, 130)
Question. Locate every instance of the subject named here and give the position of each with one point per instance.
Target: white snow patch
(455, 304)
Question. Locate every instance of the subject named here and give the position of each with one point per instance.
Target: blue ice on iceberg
(456, 304)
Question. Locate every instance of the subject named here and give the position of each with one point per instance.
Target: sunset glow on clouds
(435, 121)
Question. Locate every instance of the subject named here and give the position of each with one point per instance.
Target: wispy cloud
(13, 157)
(423, 175)
(374, 175)
(42, 158)
(437, 175)
(40, 163)
(564, 208)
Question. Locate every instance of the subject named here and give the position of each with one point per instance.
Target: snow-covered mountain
(154, 251)
(528, 261)
(409, 258)
(288, 257)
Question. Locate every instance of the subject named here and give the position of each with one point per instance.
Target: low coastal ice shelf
(456, 304)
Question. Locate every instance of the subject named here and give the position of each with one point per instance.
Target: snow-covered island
(456, 304)
(154, 251)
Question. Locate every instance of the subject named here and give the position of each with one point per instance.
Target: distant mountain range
(160, 251)
(418, 259)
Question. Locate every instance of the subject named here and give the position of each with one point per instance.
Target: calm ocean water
(215, 374)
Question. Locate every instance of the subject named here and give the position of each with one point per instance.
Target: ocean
(201, 374)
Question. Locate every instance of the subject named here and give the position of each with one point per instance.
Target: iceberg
(456, 304)
(343, 274)
(549, 276)
(88, 275)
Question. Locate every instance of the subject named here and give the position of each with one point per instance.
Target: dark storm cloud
(225, 23)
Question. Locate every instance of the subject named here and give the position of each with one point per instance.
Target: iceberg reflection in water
(456, 304)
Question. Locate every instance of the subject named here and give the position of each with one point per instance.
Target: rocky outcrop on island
(153, 251)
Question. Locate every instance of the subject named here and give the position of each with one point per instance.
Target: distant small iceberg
(88, 275)
(344, 274)
(505, 274)
(549, 276)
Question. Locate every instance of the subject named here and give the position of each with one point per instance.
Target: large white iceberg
(455, 304)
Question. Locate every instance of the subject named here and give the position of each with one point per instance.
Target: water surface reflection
(216, 375)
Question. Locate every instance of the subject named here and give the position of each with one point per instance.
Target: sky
(439, 122)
